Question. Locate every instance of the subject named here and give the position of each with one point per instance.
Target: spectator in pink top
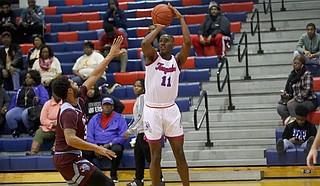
(48, 119)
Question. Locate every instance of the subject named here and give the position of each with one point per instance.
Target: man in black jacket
(10, 63)
(212, 32)
(300, 133)
(93, 102)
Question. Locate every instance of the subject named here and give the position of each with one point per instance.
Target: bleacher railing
(244, 53)
(268, 8)
(224, 61)
(205, 114)
(282, 6)
(256, 28)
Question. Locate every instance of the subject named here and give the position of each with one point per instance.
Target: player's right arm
(312, 157)
(146, 44)
(76, 142)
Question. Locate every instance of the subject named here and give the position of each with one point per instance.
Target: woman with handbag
(48, 120)
(29, 94)
(298, 91)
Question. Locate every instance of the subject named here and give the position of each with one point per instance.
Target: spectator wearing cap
(11, 62)
(7, 18)
(106, 40)
(107, 129)
(31, 22)
(212, 32)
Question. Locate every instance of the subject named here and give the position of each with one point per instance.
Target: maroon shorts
(73, 168)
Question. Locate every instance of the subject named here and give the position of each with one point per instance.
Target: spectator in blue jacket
(107, 129)
(30, 93)
(116, 16)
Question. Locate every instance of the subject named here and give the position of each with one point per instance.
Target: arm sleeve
(122, 129)
(17, 57)
(286, 133)
(90, 130)
(44, 96)
(300, 45)
(138, 120)
(306, 83)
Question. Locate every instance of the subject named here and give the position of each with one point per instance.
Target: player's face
(107, 109)
(137, 88)
(300, 120)
(214, 11)
(166, 44)
(75, 88)
(87, 50)
(311, 31)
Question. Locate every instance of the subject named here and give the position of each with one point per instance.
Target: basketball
(162, 14)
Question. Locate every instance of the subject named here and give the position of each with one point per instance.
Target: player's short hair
(60, 87)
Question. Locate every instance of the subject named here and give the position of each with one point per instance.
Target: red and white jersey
(162, 81)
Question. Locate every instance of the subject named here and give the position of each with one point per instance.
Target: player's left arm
(185, 50)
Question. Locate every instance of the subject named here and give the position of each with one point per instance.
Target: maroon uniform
(68, 160)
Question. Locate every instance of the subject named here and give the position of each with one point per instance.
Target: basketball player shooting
(70, 129)
(161, 114)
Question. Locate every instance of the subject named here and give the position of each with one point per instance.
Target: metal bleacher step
(216, 176)
(230, 144)
(217, 163)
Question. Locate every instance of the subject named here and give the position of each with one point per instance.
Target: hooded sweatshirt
(118, 20)
(214, 25)
(93, 104)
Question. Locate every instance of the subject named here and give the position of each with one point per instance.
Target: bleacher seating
(71, 22)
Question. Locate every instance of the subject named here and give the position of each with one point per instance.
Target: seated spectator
(115, 16)
(31, 22)
(93, 102)
(7, 19)
(155, 44)
(309, 45)
(48, 66)
(11, 62)
(300, 133)
(4, 103)
(29, 94)
(298, 91)
(34, 53)
(141, 148)
(48, 120)
(212, 32)
(107, 129)
(86, 63)
(106, 40)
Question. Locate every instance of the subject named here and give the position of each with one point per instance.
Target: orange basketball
(162, 14)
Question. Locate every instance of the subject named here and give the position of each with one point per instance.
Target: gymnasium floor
(268, 182)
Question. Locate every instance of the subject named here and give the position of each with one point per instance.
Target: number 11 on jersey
(166, 82)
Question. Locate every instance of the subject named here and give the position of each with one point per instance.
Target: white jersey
(162, 81)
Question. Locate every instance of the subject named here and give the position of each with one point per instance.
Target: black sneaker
(15, 133)
(136, 182)
(309, 144)
(280, 146)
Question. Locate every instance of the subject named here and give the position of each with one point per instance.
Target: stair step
(216, 163)
(216, 176)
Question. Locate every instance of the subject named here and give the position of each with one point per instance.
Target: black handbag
(34, 116)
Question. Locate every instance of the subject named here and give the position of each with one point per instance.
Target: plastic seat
(45, 163)
(141, 22)
(202, 62)
(193, 29)
(16, 145)
(65, 10)
(125, 78)
(75, 17)
(67, 36)
(174, 30)
(87, 35)
(316, 84)
(50, 10)
(86, 2)
(74, 46)
(143, 12)
(235, 27)
(73, 2)
(123, 5)
(189, 64)
(236, 16)
(141, 31)
(189, 89)
(197, 75)
(95, 25)
(120, 92)
(22, 163)
(26, 47)
(128, 109)
(57, 46)
(57, 3)
(183, 104)
(193, 9)
(51, 37)
(110, 78)
(78, 26)
(90, 16)
(314, 117)
(66, 68)
(195, 19)
(134, 42)
(288, 158)
(5, 163)
(190, 3)
(134, 65)
(178, 40)
(53, 18)
(59, 27)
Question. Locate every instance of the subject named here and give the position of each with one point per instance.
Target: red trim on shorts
(175, 137)
(160, 106)
(155, 57)
(153, 141)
